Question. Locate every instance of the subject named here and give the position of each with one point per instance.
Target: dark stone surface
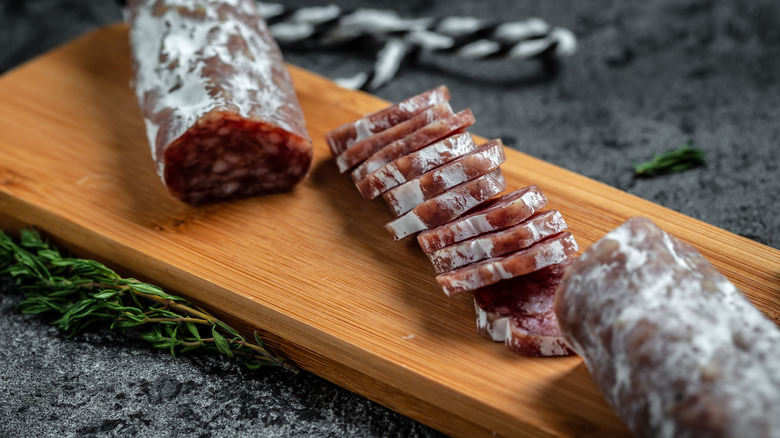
(647, 77)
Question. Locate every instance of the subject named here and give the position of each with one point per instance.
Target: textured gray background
(647, 77)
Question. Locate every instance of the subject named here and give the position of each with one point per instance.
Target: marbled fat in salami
(343, 137)
(475, 164)
(519, 312)
(676, 349)
(221, 114)
(412, 165)
(505, 211)
(498, 243)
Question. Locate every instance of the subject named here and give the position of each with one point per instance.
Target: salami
(520, 313)
(498, 213)
(221, 114)
(343, 137)
(498, 243)
(448, 205)
(675, 348)
(366, 147)
(411, 166)
(552, 250)
(477, 163)
(421, 138)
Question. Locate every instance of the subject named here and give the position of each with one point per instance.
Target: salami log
(221, 113)
(519, 312)
(505, 211)
(415, 164)
(475, 164)
(675, 348)
(343, 137)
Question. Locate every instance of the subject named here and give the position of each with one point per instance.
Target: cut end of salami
(222, 117)
(520, 313)
(226, 157)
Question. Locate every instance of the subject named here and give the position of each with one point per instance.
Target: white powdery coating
(523, 262)
(423, 160)
(701, 345)
(476, 224)
(180, 83)
(480, 248)
(453, 202)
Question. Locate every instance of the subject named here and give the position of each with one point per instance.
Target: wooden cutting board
(313, 270)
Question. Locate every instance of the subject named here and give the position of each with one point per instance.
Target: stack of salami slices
(449, 191)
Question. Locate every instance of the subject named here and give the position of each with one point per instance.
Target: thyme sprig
(677, 160)
(84, 292)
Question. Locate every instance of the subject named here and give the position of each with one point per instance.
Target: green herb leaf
(221, 342)
(79, 293)
(677, 160)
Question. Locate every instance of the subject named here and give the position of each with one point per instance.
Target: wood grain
(313, 269)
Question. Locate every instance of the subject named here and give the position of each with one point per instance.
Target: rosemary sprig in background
(677, 160)
(83, 292)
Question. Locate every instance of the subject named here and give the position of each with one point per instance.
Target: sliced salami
(448, 205)
(343, 137)
(498, 243)
(221, 114)
(412, 165)
(520, 313)
(498, 213)
(475, 164)
(552, 250)
(675, 348)
(422, 137)
(368, 146)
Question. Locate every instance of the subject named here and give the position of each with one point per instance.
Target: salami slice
(498, 243)
(343, 137)
(520, 313)
(554, 249)
(475, 164)
(448, 205)
(675, 348)
(422, 137)
(221, 114)
(366, 147)
(502, 212)
(412, 165)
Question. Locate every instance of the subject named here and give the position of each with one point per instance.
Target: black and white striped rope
(464, 37)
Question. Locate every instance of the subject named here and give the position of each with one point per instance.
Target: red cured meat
(368, 146)
(448, 205)
(422, 137)
(411, 166)
(497, 243)
(222, 117)
(475, 164)
(674, 346)
(520, 312)
(495, 214)
(343, 137)
(552, 250)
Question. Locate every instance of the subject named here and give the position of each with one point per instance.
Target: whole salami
(221, 113)
(674, 346)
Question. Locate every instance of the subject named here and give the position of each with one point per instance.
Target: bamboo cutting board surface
(313, 270)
